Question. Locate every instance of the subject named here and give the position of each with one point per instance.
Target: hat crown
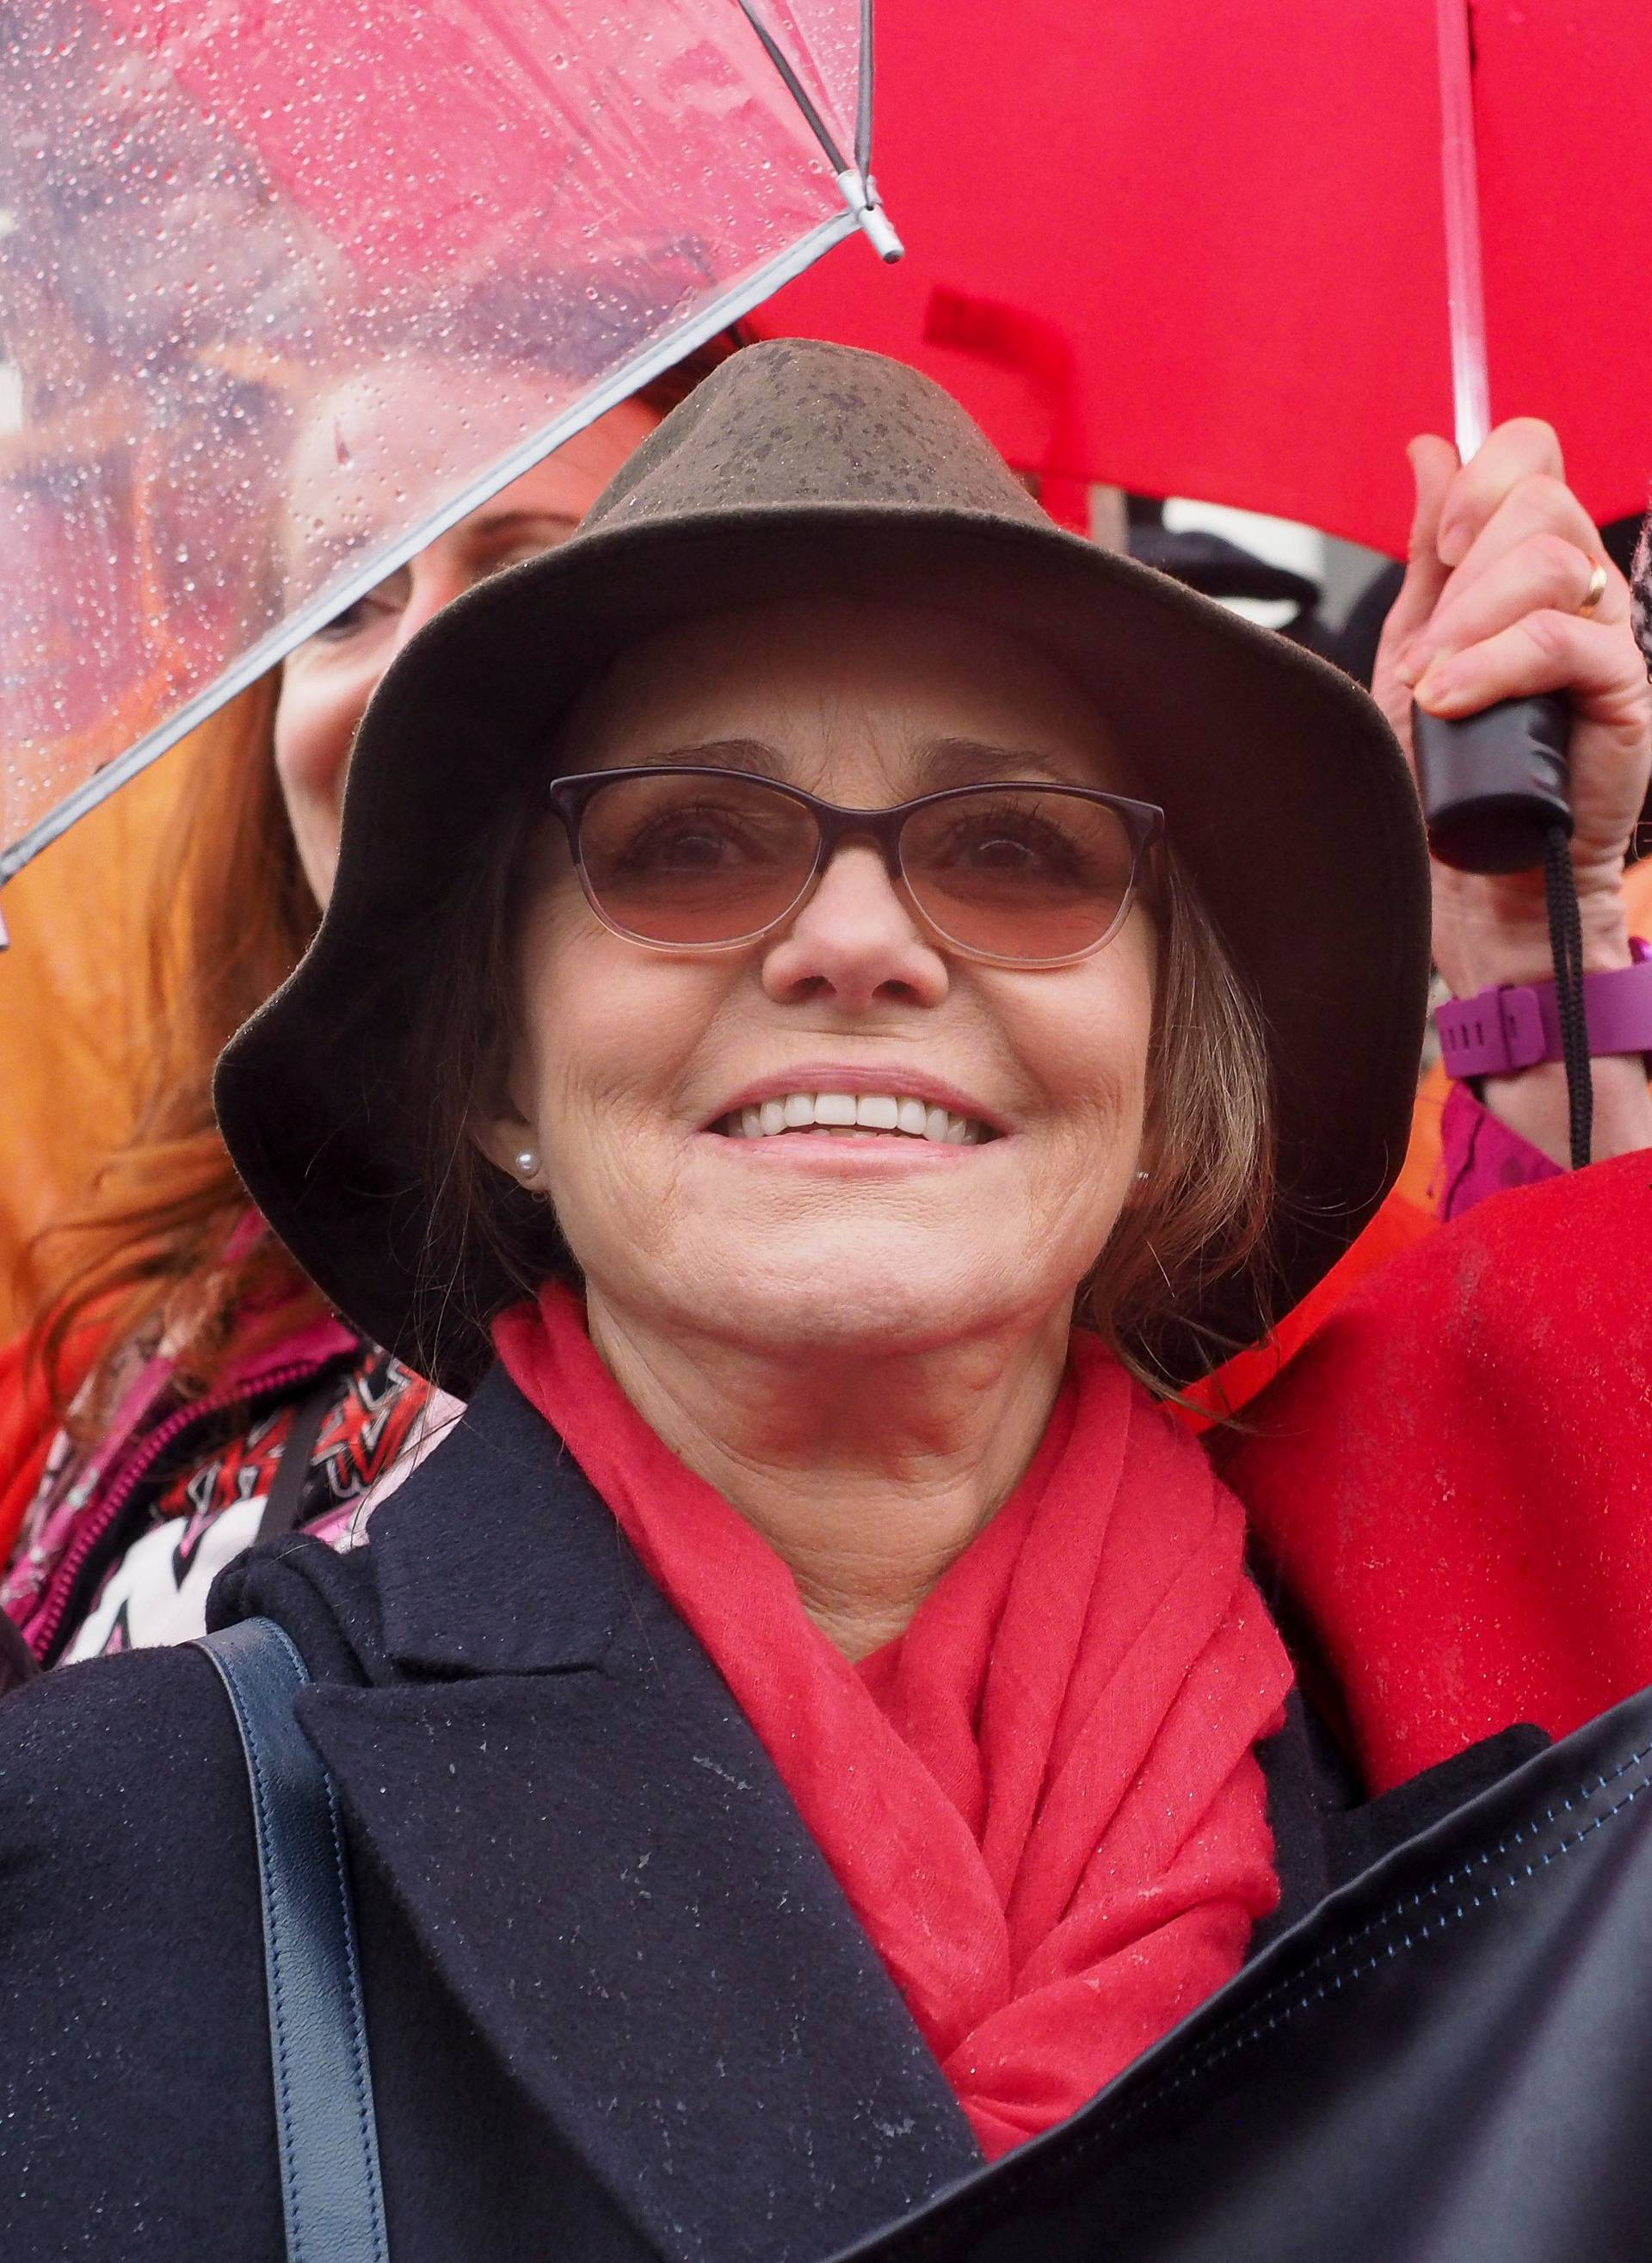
(795, 422)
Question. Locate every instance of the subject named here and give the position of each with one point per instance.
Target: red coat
(1454, 1477)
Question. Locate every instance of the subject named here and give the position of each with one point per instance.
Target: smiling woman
(798, 1020)
(626, 1064)
(813, 997)
(900, 954)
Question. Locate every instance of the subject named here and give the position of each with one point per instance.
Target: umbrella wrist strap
(1566, 944)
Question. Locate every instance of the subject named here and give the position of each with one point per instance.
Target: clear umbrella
(286, 288)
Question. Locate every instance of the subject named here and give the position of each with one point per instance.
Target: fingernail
(1452, 542)
(1414, 662)
(1436, 687)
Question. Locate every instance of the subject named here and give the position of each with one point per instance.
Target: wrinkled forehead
(832, 686)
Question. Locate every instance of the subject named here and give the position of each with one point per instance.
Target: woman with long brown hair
(181, 1388)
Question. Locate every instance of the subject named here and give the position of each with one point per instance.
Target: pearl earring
(1142, 1177)
(527, 1162)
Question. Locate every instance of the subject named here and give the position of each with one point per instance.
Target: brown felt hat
(795, 469)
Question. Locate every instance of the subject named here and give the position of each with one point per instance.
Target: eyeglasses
(685, 858)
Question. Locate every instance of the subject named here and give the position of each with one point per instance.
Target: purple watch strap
(1515, 1025)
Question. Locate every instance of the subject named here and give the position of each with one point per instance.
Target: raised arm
(1497, 605)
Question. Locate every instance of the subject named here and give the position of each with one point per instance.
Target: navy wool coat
(617, 2005)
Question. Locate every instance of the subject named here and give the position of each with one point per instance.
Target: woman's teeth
(841, 1114)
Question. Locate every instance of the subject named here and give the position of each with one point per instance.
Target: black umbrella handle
(1493, 790)
(1494, 784)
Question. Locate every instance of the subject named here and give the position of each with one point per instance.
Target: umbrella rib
(863, 109)
(794, 86)
(852, 179)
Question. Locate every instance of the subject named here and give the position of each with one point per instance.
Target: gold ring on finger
(1596, 591)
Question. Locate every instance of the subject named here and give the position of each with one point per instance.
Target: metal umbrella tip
(861, 195)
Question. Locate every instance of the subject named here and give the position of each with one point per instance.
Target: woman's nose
(854, 942)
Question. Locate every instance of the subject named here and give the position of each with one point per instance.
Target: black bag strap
(331, 2191)
(285, 1496)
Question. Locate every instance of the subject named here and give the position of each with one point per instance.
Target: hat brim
(1286, 796)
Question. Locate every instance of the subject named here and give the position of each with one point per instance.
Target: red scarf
(1042, 1801)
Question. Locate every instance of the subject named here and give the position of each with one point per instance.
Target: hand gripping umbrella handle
(1493, 790)
(1494, 785)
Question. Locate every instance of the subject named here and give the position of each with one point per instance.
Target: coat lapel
(604, 1866)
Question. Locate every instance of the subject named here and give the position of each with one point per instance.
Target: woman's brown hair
(150, 1252)
(146, 1251)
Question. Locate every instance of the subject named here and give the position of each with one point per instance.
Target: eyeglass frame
(570, 795)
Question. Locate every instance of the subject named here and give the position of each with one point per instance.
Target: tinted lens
(1019, 871)
(694, 859)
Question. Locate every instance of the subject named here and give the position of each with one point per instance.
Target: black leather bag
(1448, 2061)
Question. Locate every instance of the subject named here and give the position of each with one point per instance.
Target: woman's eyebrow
(334, 550)
(722, 754)
(513, 522)
(339, 546)
(959, 762)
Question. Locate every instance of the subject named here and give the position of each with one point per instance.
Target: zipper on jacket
(44, 1631)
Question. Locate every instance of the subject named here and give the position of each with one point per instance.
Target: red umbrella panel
(1200, 250)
